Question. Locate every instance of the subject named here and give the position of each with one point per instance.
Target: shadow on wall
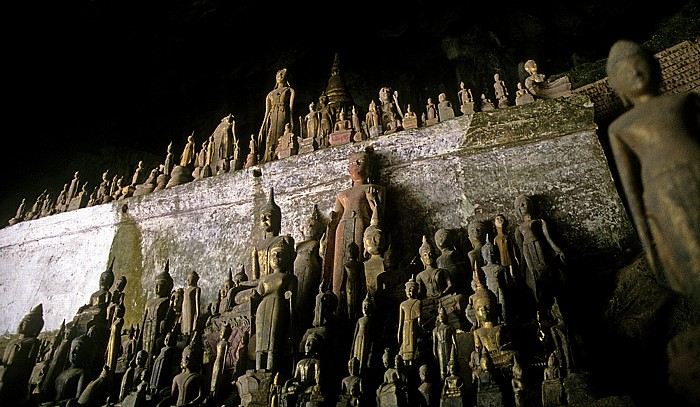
(128, 262)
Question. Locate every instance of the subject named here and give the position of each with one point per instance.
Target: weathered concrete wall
(440, 176)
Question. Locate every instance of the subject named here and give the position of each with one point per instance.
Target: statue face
(268, 220)
(428, 258)
(373, 241)
(411, 291)
(384, 94)
(358, 167)
(483, 311)
(310, 346)
(141, 358)
(475, 230)
(523, 205)
(442, 238)
(279, 259)
(162, 288)
(499, 221)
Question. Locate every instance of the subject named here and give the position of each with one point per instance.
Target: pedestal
(340, 137)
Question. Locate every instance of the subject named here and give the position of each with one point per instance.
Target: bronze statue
(541, 88)
(364, 337)
(154, 323)
(432, 282)
(191, 304)
(273, 315)
(444, 341)
(656, 149)
(278, 112)
(351, 216)
(353, 283)
(270, 222)
(499, 87)
(19, 357)
(409, 323)
(307, 266)
(532, 237)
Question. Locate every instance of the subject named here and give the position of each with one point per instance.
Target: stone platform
(445, 175)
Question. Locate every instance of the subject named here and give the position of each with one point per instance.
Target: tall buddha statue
(451, 259)
(374, 241)
(307, 266)
(409, 323)
(154, 322)
(278, 112)
(351, 216)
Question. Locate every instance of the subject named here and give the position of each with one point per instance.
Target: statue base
(306, 145)
(579, 389)
(374, 131)
(340, 137)
(446, 113)
(552, 393)
(410, 122)
(254, 388)
(467, 108)
(489, 396)
(430, 122)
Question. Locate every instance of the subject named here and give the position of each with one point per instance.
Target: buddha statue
(270, 222)
(326, 119)
(364, 337)
(132, 376)
(353, 286)
(552, 387)
(391, 393)
(165, 365)
(541, 88)
(504, 246)
(433, 282)
(466, 99)
(495, 275)
(374, 242)
(426, 389)
(351, 216)
(476, 231)
(188, 386)
(373, 121)
(154, 323)
(276, 291)
(114, 345)
(20, 356)
(444, 341)
(72, 381)
(501, 91)
(486, 104)
(279, 104)
(305, 384)
(102, 297)
(431, 113)
(390, 110)
(409, 323)
(116, 297)
(445, 110)
(351, 387)
(307, 266)
(217, 375)
(451, 259)
(522, 95)
(191, 304)
(452, 387)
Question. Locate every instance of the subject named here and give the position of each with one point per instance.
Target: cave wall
(470, 167)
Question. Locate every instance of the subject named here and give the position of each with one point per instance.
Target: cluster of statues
(453, 327)
(333, 120)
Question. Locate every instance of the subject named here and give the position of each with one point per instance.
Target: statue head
(312, 227)
(476, 231)
(177, 297)
(312, 107)
(387, 359)
(523, 205)
(411, 288)
(170, 339)
(552, 361)
(367, 305)
(240, 276)
(485, 304)
(281, 77)
(359, 166)
(531, 66)
(271, 216)
(228, 282)
(633, 72)
(32, 323)
(499, 221)
(444, 239)
(79, 354)
(442, 97)
(107, 277)
(164, 282)
(442, 314)
(427, 253)
(141, 358)
(121, 283)
(282, 254)
(384, 93)
(311, 344)
(192, 278)
(423, 373)
(226, 331)
(352, 251)
(373, 237)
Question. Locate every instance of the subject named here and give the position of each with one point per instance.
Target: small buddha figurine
(114, 345)
(501, 91)
(222, 349)
(154, 322)
(426, 388)
(270, 221)
(312, 122)
(523, 96)
(252, 157)
(504, 246)
(19, 215)
(342, 130)
(305, 384)
(364, 337)
(353, 282)
(372, 119)
(351, 386)
(287, 144)
(132, 376)
(432, 282)
(102, 296)
(495, 275)
(307, 266)
(541, 88)
(486, 104)
(72, 381)
(444, 341)
(532, 237)
(117, 297)
(518, 384)
(326, 114)
(188, 386)
(466, 100)
(20, 356)
(391, 392)
(343, 124)
(374, 242)
(190, 304)
(432, 113)
(452, 389)
(165, 365)
(274, 312)
(137, 397)
(552, 388)
(390, 110)
(188, 153)
(476, 230)
(357, 128)
(445, 110)
(409, 323)
(451, 260)
(410, 120)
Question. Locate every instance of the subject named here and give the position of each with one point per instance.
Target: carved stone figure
(532, 237)
(307, 266)
(217, 374)
(656, 149)
(432, 113)
(353, 284)
(444, 341)
(486, 104)
(364, 336)
(499, 87)
(432, 282)
(351, 216)
(451, 260)
(541, 88)
(19, 357)
(154, 322)
(272, 317)
(390, 110)
(445, 110)
(351, 387)
(523, 96)
(552, 387)
(191, 304)
(132, 376)
(466, 100)
(409, 323)
(278, 112)
(270, 222)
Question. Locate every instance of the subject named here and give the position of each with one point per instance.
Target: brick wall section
(680, 71)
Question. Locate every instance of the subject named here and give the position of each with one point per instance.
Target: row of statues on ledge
(333, 120)
(484, 325)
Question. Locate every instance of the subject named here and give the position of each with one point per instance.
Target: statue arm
(291, 106)
(400, 331)
(254, 263)
(557, 250)
(196, 305)
(265, 119)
